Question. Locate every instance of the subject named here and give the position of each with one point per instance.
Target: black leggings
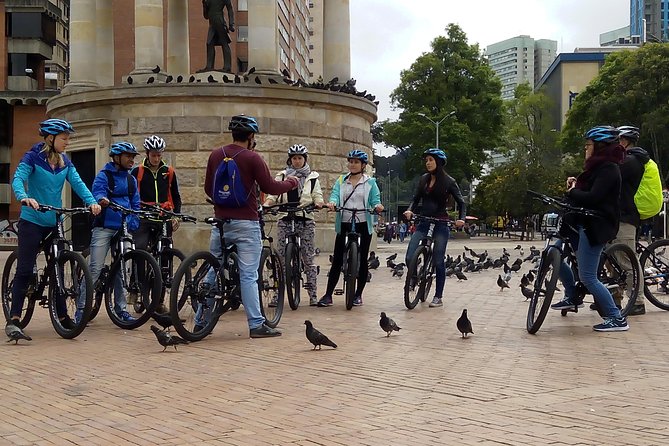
(338, 257)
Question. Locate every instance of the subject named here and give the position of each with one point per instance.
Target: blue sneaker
(357, 301)
(125, 316)
(612, 324)
(326, 301)
(566, 304)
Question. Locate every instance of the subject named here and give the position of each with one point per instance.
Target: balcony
(29, 46)
(44, 6)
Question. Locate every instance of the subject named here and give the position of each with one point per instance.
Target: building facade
(519, 60)
(654, 14)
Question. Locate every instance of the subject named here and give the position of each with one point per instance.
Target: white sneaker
(436, 302)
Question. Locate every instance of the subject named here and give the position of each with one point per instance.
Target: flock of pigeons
(347, 87)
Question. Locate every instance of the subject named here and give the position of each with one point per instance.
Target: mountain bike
(205, 287)
(127, 261)
(654, 261)
(292, 255)
(421, 270)
(64, 273)
(618, 269)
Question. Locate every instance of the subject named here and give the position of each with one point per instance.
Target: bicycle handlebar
(290, 208)
(551, 201)
(354, 210)
(128, 211)
(47, 208)
(161, 213)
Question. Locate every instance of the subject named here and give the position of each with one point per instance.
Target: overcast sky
(388, 35)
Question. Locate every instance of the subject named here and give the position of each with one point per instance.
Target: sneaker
(566, 304)
(326, 301)
(313, 301)
(131, 299)
(67, 323)
(637, 310)
(593, 306)
(264, 332)
(272, 302)
(612, 324)
(125, 316)
(357, 301)
(436, 302)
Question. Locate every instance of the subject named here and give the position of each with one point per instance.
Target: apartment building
(649, 19)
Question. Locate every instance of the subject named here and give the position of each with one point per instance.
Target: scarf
(611, 153)
(302, 173)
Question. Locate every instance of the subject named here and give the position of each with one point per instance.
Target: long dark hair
(439, 189)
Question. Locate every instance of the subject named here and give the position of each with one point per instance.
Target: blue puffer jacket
(34, 178)
(109, 218)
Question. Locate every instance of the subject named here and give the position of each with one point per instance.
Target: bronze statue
(218, 32)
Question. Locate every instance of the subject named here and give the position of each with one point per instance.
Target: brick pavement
(422, 386)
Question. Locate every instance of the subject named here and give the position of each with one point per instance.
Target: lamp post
(436, 124)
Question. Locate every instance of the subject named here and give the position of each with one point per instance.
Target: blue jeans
(440, 236)
(588, 257)
(100, 244)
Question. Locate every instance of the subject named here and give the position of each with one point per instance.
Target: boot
(211, 55)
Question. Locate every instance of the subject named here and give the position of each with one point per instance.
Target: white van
(549, 223)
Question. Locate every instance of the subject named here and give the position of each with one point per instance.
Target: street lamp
(437, 124)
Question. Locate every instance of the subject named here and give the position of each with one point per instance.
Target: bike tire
(188, 295)
(170, 260)
(150, 294)
(74, 274)
(98, 294)
(415, 278)
(351, 273)
(8, 273)
(620, 271)
(655, 266)
(293, 285)
(271, 284)
(544, 288)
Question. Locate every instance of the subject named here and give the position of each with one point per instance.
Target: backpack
(111, 185)
(170, 176)
(648, 197)
(229, 190)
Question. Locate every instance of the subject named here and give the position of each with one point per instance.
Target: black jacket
(631, 171)
(435, 201)
(601, 193)
(157, 188)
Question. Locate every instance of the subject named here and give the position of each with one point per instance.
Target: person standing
(218, 32)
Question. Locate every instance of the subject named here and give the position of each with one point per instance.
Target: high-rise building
(519, 60)
(619, 37)
(655, 13)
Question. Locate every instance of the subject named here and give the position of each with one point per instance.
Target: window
(242, 5)
(242, 33)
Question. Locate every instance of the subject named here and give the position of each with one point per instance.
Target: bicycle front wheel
(414, 284)
(544, 288)
(293, 285)
(170, 260)
(147, 288)
(350, 273)
(8, 273)
(655, 266)
(69, 274)
(619, 271)
(271, 287)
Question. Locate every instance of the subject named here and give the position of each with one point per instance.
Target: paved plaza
(422, 386)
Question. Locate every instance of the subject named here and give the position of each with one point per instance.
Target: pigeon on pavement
(464, 324)
(526, 292)
(398, 271)
(165, 339)
(15, 333)
(388, 325)
(460, 276)
(501, 283)
(316, 337)
(374, 263)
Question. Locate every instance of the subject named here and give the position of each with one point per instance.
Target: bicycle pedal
(339, 291)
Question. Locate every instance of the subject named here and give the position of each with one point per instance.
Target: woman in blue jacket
(354, 190)
(39, 179)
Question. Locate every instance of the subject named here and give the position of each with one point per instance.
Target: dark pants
(30, 236)
(338, 257)
(149, 231)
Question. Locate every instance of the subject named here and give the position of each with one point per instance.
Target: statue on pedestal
(218, 32)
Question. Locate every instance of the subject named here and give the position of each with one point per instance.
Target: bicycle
(421, 269)
(64, 273)
(205, 287)
(612, 272)
(293, 264)
(654, 262)
(126, 259)
(162, 249)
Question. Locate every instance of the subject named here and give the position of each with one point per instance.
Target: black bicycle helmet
(603, 133)
(244, 123)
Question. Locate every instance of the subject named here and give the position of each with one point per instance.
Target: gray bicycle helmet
(629, 132)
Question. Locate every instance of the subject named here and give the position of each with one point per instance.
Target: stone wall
(193, 119)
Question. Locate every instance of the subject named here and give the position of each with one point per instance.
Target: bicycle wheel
(74, 273)
(271, 286)
(193, 304)
(426, 285)
(351, 273)
(293, 285)
(170, 260)
(8, 273)
(415, 280)
(619, 271)
(98, 290)
(148, 289)
(544, 288)
(655, 266)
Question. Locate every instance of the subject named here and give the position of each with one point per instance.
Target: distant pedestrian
(403, 231)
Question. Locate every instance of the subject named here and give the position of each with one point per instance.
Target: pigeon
(392, 257)
(180, 78)
(251, 70)
(211, 79)
(330, 258)
(501, 283)
(374, 263)
(272, 81)
(464, 324)
(524, 281)
(129, 80)
(530, 277)
(398, 271)
(285, 72)
(238, 80)
(257, 80)
(518, 247)
(388, 325)
(316, 337)
(163, 319)
(226, 79)
(191, 79)
(169, 79)
(156, 70)
(165, 339)
(526, 292)
(15, 333)
(150, 80)
(369, 277)
(460, 276)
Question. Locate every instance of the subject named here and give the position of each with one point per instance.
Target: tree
(632, 88)
(453, 76)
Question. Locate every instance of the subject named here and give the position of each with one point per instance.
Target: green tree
(453, 76)
(632, 88)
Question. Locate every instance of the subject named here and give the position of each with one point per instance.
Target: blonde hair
(52, 156)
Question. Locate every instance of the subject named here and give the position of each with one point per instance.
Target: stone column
(83, 46)
(336, 40)
(105, 43)
(264, 36)
(148, 36)
(178, 53)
